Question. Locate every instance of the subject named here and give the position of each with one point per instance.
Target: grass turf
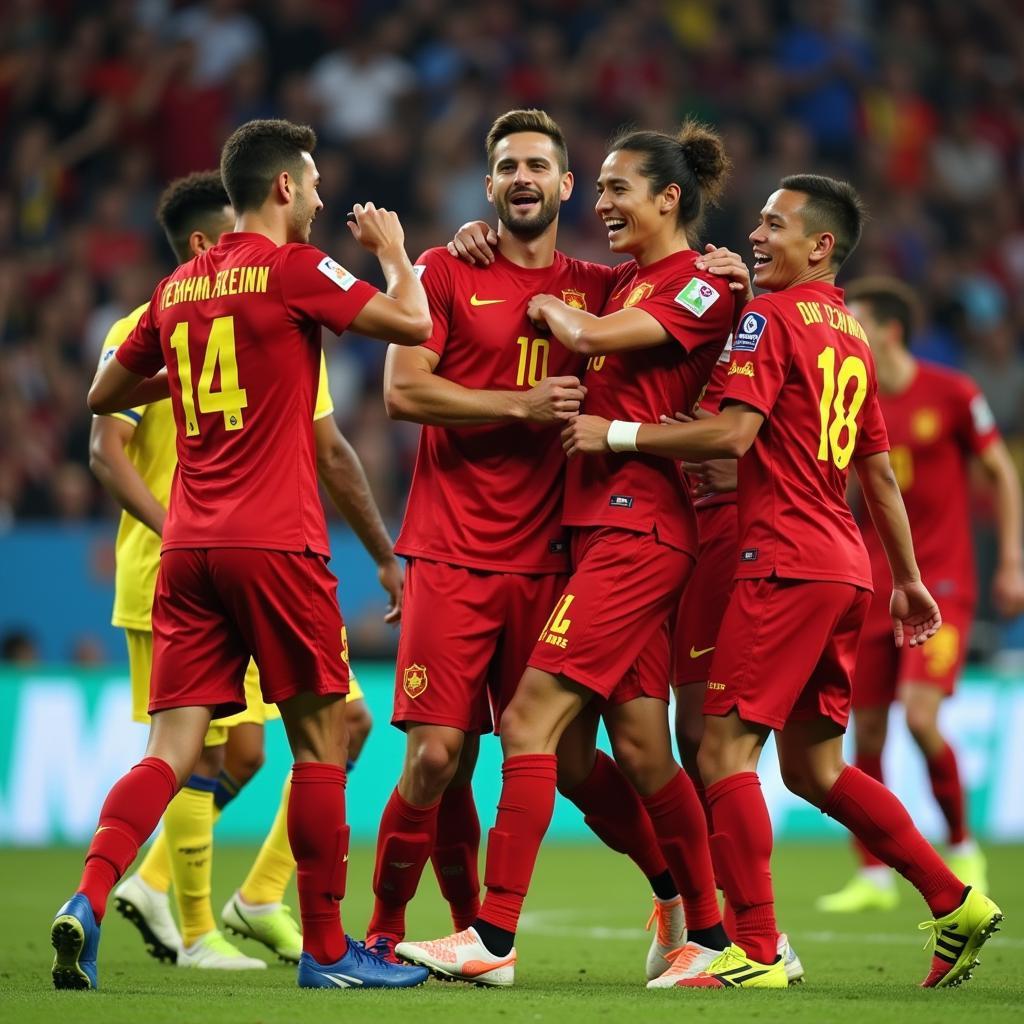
(581, 951)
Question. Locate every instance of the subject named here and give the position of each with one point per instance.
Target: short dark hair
(890, 301)
(832, 205)
(257, 153)
(532, 120)
(191, 204)
(694, 159)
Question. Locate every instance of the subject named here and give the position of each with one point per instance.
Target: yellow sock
(268, 877)
(188, 826)
(155, 869)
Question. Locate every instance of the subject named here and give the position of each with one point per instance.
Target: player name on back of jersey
(231, 281)
(836, 318)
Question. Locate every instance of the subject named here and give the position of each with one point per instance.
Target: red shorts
(706, 595)
(215, 608)
(610, 629)
(466, 635)
(882, 668)
(786, 651)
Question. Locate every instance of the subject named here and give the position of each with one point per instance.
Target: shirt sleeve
(140, 352)
(320, 289)
(975, 420)
(324, 404)
(693, 313)
(872, 437)
(114, 339)
(436, 278)
(761, 358)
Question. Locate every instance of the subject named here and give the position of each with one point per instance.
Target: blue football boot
(75, 936)
(359, 968)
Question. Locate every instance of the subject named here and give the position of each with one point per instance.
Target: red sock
(524, 813)
(613, 811)
(456, 853)
(679, 823)
(870, 765)
(742, 850)
(949, 793)
(729, 918)
(128, 817)
(881, 822)
(319, 840)
(404, 841)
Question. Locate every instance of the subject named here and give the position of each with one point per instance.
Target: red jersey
(490, 496)
(935, 426)
(710, 402)
(630, 490)
(238, 328)
(801, 359)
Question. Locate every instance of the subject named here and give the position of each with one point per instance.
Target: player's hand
(1008, 590)
(535, 310)
(586, 435)
(392, 579)
(726, 263)
(376, 230)
(553, 400)
(716, 476)
(915, 615)
(474, 243)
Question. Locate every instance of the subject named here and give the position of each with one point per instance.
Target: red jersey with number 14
(801, 360)
(633, 491)
(238, 328)
(490, 497)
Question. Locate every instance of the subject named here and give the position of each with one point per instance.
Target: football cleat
(75, 937)
(359, 968)
(794, 969)
(383, 944)
(150, 911)
(859, 894)
(462, 957)
(669, 934)
(956, 938)
(970, 866)
(732, 968)
(686, 962)
(212, 952)
(272, 924)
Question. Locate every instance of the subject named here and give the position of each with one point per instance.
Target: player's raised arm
(401, 315)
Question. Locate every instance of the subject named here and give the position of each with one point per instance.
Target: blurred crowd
(919, 102)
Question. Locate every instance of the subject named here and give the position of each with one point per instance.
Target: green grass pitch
(581, 955)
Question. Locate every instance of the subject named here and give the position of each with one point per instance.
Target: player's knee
(432, 762)
(244, 766)
(688, 738)
(923, 725)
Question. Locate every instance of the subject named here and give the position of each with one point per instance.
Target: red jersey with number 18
(801, 359)
(238, 328)
(639, 492)
(490, 497)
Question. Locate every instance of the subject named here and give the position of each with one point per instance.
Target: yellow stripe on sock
(271, 870)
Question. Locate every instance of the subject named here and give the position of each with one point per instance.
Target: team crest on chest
(573, 298)
(414, 680)
(638, 294)
(925, 425)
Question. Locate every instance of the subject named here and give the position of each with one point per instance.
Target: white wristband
(622, 436)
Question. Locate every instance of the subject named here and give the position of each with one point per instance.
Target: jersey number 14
(220, 354)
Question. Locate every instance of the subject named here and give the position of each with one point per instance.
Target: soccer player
(800, 406)
(634, 538)
(487, 553)
(938, 423)
(243, 570)
(133, 454)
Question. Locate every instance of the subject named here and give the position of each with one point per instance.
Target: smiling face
(526, 185)
(784, 253)
(306, 202)
(632, 216)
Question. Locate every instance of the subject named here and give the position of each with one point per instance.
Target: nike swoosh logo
(342, 980)
(694, 653)
(474, 301)
(474, 968)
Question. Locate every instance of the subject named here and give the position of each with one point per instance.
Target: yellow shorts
(257, 712)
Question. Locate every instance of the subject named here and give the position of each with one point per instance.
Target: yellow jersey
(153, 453)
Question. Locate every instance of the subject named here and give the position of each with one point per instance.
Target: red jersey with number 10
(238, 328)
(801, 360)
(490, 497)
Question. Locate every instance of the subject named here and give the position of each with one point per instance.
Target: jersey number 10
(836, 412)
(220, 354)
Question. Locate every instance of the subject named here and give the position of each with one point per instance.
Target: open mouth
(614, 226)
(524, 200)
(761, 259)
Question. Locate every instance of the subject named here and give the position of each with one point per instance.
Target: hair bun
(706, 156)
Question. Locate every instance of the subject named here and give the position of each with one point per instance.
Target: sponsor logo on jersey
(573, 298)
(698, 297)
(694, 653)
(638, 294)
(749, 334)
(716, 686)
(414, 680)
(621, 501)
(335, 272)
(743, 369)
(748, 555)
(474, 301)
(925, 425)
